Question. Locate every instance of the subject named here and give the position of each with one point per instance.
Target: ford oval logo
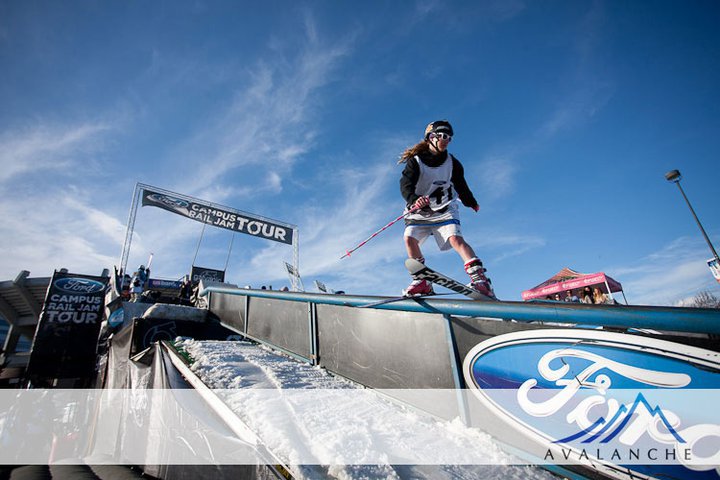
(169, 201)
(79, 285)
(542, 357)
(116, 318)
(601, 398)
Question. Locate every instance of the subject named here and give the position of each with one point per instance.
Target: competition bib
(435, 183)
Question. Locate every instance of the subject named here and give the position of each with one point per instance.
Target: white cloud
(498, 177)
(473, 13)
(271, 119)
(669, 276)
(426, 7)
(59, 231)
(502, 10)
(366, 195)
(45, 147)
(326, 232)
(577, 106)
(508, 245)
(588, 88)
(49, 222)
(274, 182)
(270, 122)
(95, 219)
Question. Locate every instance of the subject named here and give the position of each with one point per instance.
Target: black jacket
(411, 173)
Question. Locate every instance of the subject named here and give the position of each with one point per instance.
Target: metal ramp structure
(427, 343)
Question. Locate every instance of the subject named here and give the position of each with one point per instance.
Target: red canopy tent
(568, 279)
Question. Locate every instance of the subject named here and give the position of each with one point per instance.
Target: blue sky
(566, 115)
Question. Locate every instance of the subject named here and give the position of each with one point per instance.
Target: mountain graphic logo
(613, 427)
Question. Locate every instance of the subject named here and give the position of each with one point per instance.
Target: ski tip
(413, 265)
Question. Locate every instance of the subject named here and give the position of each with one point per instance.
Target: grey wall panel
(230, 309)
(283, 323)
(385, 349)
(469, 331)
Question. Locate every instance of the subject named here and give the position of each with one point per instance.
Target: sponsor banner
(68, 328)
(321, 286)
(207, 274)
(156, 283)
(602, 399)
(291, 270)
(219, 217)
(714, 268)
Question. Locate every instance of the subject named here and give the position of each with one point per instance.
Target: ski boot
(479, 281)
(418, 287)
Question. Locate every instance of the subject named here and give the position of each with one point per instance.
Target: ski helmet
(438, 126)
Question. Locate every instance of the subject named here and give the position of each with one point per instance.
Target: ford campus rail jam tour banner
(211, 214)
(68, 328)
(219, 217)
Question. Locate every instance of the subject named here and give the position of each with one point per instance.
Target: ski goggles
(443, 136)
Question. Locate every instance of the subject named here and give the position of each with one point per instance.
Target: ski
(420, 270)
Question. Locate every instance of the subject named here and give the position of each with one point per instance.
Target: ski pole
(348, 252)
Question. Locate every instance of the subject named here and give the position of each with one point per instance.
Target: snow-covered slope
(302, 412)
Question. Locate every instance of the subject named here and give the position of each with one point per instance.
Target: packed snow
(264, 389)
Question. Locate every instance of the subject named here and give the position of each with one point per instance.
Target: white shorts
(442, 233)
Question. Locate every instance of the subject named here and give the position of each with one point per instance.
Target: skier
(431, 180)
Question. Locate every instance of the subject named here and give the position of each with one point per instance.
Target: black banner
(291, 270)
(67, 332)
(201, 273)
(218, 217)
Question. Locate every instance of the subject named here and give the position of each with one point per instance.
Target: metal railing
(675, 319)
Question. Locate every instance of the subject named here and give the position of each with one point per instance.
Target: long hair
(419, 148)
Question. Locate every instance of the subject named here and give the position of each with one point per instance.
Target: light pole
(674, 176)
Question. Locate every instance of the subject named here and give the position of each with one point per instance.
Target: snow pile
(305, 415)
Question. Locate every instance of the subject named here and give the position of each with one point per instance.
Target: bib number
(441, 196)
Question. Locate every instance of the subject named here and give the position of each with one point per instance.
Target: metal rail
(675, 319)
